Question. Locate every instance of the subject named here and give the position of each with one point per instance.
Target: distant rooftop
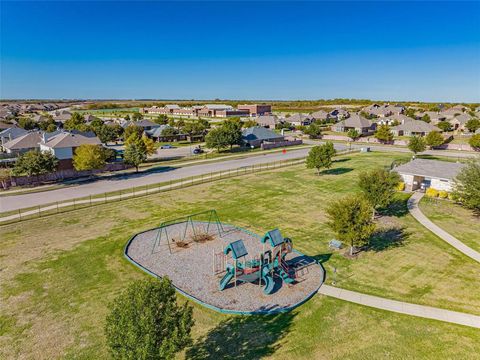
(431, 168)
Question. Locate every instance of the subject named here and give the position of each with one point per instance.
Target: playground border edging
(215, 308)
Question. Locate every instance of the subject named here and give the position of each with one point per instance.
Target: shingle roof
(298, 118)
(158, 131)
(462, 118)
(27, 141)
(145, 123)
(319, 115)
(416, 126)
(266, 120)
(259, 133)
(431, 168)
(356, 121)
(13, 133)
(67, 140)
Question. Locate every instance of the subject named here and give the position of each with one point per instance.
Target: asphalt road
(21, 201)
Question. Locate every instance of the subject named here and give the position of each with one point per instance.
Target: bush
(431, 192)
(442, 194)
(401, 186)
(146, 322)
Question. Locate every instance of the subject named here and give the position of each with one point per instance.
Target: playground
(227, 268)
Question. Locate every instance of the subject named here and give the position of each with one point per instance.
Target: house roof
(259, 133)
(400, 118)
(172, 106)
(298, 118)
(462, 118)
(68, 140)
(145, 123)
(27, 141)
(416, 126)
(320, 115)
(430, 168)
(12, 133)
(266, 120)
(217, 106)
(356, 121)
(158, 131)
(4, 125)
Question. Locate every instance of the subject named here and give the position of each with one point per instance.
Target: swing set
(183, 231)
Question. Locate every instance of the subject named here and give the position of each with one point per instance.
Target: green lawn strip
(62, 294)
(454, 219)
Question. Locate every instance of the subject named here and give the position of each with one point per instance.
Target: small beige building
(422, 174)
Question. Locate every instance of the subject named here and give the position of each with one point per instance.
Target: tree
(474, 141)
(379, 187)
(416, 144)
(467, 186)
(76, 122)
(149, 145)
(473, 125)
(426, 118)
(161, 119)
(27, 123)
(434, 138)
(135, 151)
(51, 128)
(350, 218)
(249, 123)
(146, 323)
(137, 116)
(217, 139)
(353, 134)
(314, 131)
(320, 157)
(383, 133)
(106, 133)
(169, 131)
(131, 129)
(232, 131)
(34, 163)
(89, 157)
(47, 125)
(445, 126)
(5, 174)
(410, 113)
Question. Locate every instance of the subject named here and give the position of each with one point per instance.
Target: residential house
(267, 121)
(320, 115)
(23, 143)
(10, 134)
(435, 117)
(63, 144)
(357, 122)
(157, 134)
(62, 116)
(453, 111)
(257, 135)
(459, 121)
(394, 119)
(300, 119)
(414, 128)
(423, 174)
(383, 110)
(339, 114)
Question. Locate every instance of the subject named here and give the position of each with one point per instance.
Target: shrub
(431, 192)
(442, 194)
(401, 186)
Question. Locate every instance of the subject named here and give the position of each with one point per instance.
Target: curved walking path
(408, 308)
(402, 307)
(442, 234)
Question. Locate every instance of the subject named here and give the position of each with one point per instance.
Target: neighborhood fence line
(141, 191)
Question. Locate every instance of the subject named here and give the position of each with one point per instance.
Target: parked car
(167, 146)
(197, 150)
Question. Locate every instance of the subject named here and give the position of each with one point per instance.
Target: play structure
(262, 269)
(225, 267)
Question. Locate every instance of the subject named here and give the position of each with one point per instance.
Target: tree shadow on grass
(243, 337)
(397, 208)
(342, 160)
(322, 258)
(384, 239)
(337, 171)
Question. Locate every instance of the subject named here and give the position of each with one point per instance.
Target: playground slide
(269, 282)
(225, 280)
(285, 277)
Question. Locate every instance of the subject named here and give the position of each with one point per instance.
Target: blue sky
(427, 51)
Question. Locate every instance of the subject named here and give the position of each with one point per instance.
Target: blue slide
(267, 278)
(226, 278)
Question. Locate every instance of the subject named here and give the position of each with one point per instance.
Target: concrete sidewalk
(422, 219)
(402, 307)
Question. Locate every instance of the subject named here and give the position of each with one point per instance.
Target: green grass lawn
(60, 272)
(453, 218)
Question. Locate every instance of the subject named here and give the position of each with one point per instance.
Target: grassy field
(60, 272)
(453, 218)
